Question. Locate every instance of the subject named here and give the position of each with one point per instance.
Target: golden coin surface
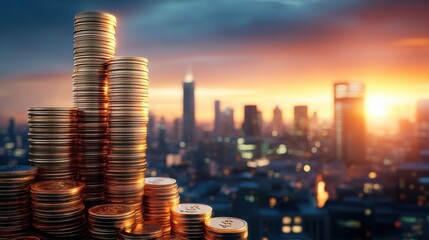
(111, 210)
(142, 230)
(227, 224)
(192, 209)
(56, 187)
(159, 181)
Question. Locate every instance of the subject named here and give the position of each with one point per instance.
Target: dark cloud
(37, 35)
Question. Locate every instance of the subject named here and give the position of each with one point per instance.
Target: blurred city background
(309, 119)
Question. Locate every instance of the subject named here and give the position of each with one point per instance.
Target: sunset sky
(264, 52)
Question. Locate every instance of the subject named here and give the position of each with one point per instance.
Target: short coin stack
(128, 118)
(106, 220)
(58, 210)
(15, 210)
(189, 219)
(141, 232)
(161, 194)
(52, 138)
(226, 228)
(94, 46)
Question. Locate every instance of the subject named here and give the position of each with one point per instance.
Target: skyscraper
(176, 130)
(277, 127)
(162, 129)
(11, 130)
(228, 128)
(251, 126)
(349, 122)
(300, 121)
(423, 128)
(188, 109)
(217, 119)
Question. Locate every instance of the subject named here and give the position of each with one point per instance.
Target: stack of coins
(58, 210)
(52, 138)
(94, 46)
(226, 228)
(128, 118)
(188, 220)
(106, 220)
(161, 195)
(15, 210)
(141, 232)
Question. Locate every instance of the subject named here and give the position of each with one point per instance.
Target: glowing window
(286, 229)
(287, 220)
(297, 229)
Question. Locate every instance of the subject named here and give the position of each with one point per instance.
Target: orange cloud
(413, 42)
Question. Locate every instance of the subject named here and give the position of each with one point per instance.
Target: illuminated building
(176, 130)
(11, 132)
(349, 123)
(223, 121)
(423, 128)
(217, 119)
(249, 148)
(188, 135)
(350, 220)
(228, 128)
(413, 184)
(293, 220)
(251, 126)
(300, 121)
(162, 128)
(277, 127)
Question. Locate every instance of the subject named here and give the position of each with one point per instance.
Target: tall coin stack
(53, 138)
(94, 46)
(226, 228)
(188, 220)
(128, 118)
(161, 195)
(58, 210)
(141, 232)
(15, 210)
(106, 220)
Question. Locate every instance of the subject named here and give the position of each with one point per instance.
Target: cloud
(289, 2)
(413, 42)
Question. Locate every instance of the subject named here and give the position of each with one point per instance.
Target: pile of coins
(94, 46)
(128, 118)
(141, 232)
(188, 220)
(58, 210)
(106, 220)
(226, 228)
(52, 139)
(15, 210)
(161, 195)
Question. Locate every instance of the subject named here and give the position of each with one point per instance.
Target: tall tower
(11, 131)
(188, 109)
(349, 122)
(300, 121)
(228, 128)
(422, 120)
(217, 119)
(277, 127)
(251, 126)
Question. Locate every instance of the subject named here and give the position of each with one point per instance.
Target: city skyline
(277, 52)
(304, 119)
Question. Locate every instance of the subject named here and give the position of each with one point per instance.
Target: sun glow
(376, 107)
